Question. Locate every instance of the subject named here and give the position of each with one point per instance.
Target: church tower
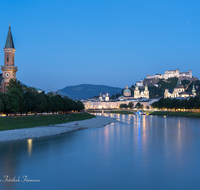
(146, 92)
(193, 90)
(136, 92)
(9, 70)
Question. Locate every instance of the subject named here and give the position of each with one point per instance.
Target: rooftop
(9, 39)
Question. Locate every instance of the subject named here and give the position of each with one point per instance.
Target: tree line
(131, 105)
(192, 103)
(23, 99)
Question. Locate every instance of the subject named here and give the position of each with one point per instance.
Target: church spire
(193, 90)
(9, 40)
(146, 87)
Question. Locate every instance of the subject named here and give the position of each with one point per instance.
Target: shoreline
(176, 114)
(42, 131)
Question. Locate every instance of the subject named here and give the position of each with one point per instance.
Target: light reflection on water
(29, 141)
(145, 152)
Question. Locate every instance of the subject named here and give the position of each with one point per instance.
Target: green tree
(18, 93)
(155, 92)
(30, 89)
(10, 103)
(57, 103)
(166, 102)
(118, 95)
(50, 94)
(14, 83)
(73, 104)
(130, 104)
(1, 106)
(123, 106)
(67, 104)
(15, 103)
(29, 102)
(112, 97)
(41, 103)
(49, 103)
(79, 105)
(139, 105)
(185, 82)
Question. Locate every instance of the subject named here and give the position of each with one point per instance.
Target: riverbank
(7, 123)
(179, 114)
(29, 133)
(123, 112)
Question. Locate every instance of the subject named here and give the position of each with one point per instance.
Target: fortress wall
(153, 76)
(171, 74)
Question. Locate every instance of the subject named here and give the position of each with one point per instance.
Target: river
(147, 152)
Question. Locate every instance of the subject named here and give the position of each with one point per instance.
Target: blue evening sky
(111, 42)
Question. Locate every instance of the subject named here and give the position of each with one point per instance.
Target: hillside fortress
(8, 70)
(171, 74)
(152, 80)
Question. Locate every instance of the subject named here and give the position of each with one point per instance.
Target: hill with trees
(85, 91)
(171, 83)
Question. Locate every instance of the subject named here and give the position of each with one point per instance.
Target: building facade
(179, 92)
(141, 94)
(105, 97)
(111, 105)
(103, 101)
(8, 69)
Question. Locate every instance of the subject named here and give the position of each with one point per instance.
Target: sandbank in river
(35, 132)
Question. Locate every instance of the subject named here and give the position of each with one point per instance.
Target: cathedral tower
(9, 70)
(193, 90)
(136, 92)
(146, 92)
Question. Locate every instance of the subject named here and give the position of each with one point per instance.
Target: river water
(147, 152)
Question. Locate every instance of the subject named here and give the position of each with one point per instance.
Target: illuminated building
(171, 74)
(152, 80)
(142, 94)
(179, 92)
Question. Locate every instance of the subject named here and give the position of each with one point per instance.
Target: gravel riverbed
(35, 132)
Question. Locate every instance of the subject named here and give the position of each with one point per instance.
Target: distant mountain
(84, 91)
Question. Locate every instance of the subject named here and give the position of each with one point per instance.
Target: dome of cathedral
(127, 92)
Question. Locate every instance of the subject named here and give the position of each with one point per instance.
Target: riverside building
(103, 101)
